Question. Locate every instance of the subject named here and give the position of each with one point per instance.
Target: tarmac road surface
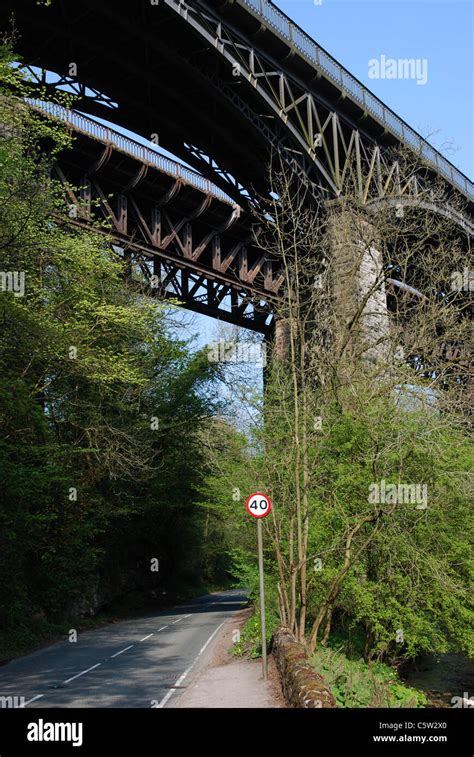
(142, 662)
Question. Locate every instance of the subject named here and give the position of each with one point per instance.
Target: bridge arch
(220, 83)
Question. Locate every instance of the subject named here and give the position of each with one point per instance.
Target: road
(135, 663)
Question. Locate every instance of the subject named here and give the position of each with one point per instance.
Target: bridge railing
(105, 134)
(321, 60)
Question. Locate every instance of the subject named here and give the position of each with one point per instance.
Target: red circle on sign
(257, 511)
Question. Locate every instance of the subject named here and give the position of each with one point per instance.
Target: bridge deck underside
(199, 249)
(149, 62)
(170, 69)
(167, 68)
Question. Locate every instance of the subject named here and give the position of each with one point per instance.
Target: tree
(363, 442)
(100, 408)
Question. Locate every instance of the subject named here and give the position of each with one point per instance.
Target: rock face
(302, 686)
(110, 585)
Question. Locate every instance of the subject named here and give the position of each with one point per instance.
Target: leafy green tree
(100, 407)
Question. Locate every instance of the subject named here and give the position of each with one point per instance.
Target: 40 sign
(258, 505)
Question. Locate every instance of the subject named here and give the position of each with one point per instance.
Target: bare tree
(373, 314)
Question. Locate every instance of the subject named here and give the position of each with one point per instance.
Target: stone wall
(302, 686)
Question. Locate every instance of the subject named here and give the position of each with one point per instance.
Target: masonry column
(282, 339)
(362, 327)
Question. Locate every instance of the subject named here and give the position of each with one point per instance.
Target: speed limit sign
(258, 505)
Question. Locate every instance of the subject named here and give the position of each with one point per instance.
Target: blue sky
(440, 31)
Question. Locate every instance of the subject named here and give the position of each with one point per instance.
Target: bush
(249, 643)
(355, 683)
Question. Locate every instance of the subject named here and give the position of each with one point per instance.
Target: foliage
(250, 641)
(356, 399)
(354, 683)
(407, 584)
(100, 409)
(114, 451)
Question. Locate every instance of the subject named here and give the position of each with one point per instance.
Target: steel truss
(212, 273)
(327, 147)
(41, 79)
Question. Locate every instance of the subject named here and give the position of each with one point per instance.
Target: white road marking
(183, 676)
(146, 637)
(38, 696)
(122, 650)
(83, 673)
(172, 690)
(208, 641)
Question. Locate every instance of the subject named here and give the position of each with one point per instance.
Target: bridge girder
(185, 244)
(219, 96)
(223, 101)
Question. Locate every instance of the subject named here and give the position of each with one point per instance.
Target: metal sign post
(258, 506)
(262, 598)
